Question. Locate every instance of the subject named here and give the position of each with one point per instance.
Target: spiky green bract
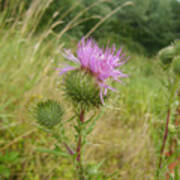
(166, 55)
(82, 88)
(177, 47)
(48, 113)
(176, 65)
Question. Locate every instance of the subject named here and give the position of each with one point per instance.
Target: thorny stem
(79, 146)
(164, 138)
(172, 148)
(174, 88)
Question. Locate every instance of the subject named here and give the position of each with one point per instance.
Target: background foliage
(146, 26)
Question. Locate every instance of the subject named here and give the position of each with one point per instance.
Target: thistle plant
(85, 87)
(173, 102)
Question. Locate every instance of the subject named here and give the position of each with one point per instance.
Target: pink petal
(67, 54)
(65, 70)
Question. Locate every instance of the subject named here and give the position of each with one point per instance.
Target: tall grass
(128, 135)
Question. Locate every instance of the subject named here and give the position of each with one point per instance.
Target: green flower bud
(48, 113)
(176, 65)
(81, 87)
(166, 55)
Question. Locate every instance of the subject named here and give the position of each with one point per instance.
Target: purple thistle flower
(101, 63)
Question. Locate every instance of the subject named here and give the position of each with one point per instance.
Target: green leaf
(4, 171)
(9, 157)
(12, 157)
(77, 128)
(70, 119)
(89, 120)
(54, 152)
(176, 174)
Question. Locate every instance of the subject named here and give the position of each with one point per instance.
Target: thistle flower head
(100, 63)
(81, 88)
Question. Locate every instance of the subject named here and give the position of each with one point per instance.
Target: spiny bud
(81, 87)
(166, 55)
(48, 113)
(176, 65)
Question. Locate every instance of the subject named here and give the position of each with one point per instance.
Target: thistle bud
(48, 113)
(166, 55)
(82, 89)
(176, 65)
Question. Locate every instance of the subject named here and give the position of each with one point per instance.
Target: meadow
(129, 133)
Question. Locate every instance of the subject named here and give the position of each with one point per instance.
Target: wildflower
(100, 63)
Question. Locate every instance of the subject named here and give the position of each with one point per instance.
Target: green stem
(165, 138)
(79, 148)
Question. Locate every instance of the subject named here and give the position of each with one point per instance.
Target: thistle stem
(164, 138)
(79, 148)
(171, 99)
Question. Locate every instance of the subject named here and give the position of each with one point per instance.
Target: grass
(129, 134)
